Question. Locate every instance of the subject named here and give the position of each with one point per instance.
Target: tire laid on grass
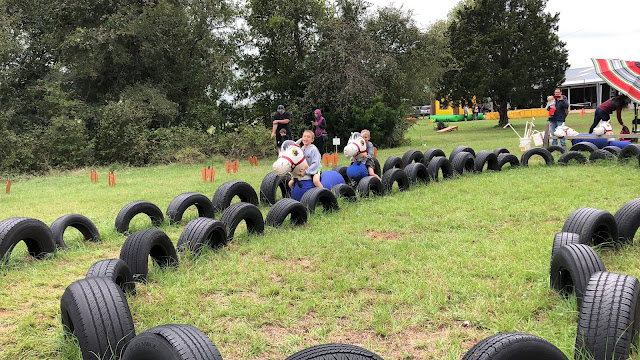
(572, 155)
(628, 152)
(440, 163)
(377, 169)
(595, 226)
(556, 148)
(234, 214)
(564, 238)
(628, 220)
(486, 157)
(601, 154)
(584, 146)
(342, 170)
(201, 232)
(138, 207)
(391, 163)
(370, 184)
(35, 234)
(612, 149)
(140, 245)
(510, 159)
(412, 156)
(544, 153)
(80, 222)
(344, 191)
(463, 162)
(334, 352)
(270, 185)
(226, 192)
(571, 267)
(117, 270)
(320, 196)
(459, 149)
(96, 310)
(289, 207)
(417, 173)
(499, 151)
(510, 346)
(182, 202)
(609, 318)
(430, 154)
(395, 176)
(172, 342)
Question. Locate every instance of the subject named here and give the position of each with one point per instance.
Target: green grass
(423, 274)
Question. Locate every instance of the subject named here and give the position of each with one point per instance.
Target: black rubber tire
(486, 157)
(80, 222)
(584, 146)
(320, 196)
(289, 207)
(440, 163)
(499, 151)
(459, 149)
(510, 159)
(430, 154)
(392, 162)
(345, 191)
(628, 152)
(138, 207)
(395, 176)
(140, 245)
(595, 226)
(377, 169)
(412, 156)
(370, 184)
(463, 162)
(601, 154)
(226, 192)
(270, 185)
(572, 155)
(628, 220)
(96, 310)
(342, 170)
(234, 214)
(544, 153)
(182, 202)
(511, 346)
(571, 267)
(564, 238)
(609, 318)
(172, 342)
(117, 270)
(201, 232)
(556, 148)
(334, 352)
(35, 234)
(417, 173)
(612, 149)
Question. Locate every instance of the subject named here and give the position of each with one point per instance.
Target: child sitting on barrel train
(360, 151)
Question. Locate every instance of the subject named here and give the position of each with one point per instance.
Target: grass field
(422, 274)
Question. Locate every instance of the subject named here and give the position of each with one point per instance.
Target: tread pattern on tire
(226, 192)
(140, 245)
(270, 185)
(430, 154)
(571, 267)
(173, 341)
(486, 157)
(463, 162)
(345, 191)
(628, 152)
(510, 159)
(289, 207)
(182, 202)
(370, 184)
(79, 222)
(509, 346)
(35, 234)
(417, 172)
(334, 352)
(544, 153)
(628, 220)
(459, 149)
(572, 155)
(499, 151)
(440, 163)
(601, 154)
(411, 156)
(556, 148)
(201, 232)
(584, 146)
(234, 214)
(391, 163)
(564, 238)
(117, 270)
(320, 196)
(595, 226)
(612, 149)
(138, 207)
(395, 176)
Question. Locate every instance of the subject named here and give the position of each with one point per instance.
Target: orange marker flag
(236, 166)
(227, 166)
(204, 175)
(8, 190)
(255, 160)
(335, 159)
(113, 179)
(95, 176)
(582, 112)
(212, 174)
(324, 159)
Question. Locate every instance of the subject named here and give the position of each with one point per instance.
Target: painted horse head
(356, 147)
(291, 159)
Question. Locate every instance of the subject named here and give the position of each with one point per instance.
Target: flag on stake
(212, 174)
(582, 112)
(113, 179)
(8, 190)
(204, 175)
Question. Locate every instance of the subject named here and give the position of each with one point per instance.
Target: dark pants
(600, 115)
(319, 143)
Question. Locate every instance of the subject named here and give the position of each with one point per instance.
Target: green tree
(511, 53)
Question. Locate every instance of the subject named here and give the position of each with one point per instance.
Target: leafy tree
(507, 50)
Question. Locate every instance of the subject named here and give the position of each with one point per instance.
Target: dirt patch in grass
(380, 235)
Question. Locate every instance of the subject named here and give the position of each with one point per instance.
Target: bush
(246, 141)
(179, 144)
(387, 125)
(66, 143)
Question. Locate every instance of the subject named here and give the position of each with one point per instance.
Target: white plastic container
(525, 144)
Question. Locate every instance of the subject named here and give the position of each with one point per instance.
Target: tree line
(153, 81)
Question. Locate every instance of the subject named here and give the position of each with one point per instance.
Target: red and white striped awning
(622, 75)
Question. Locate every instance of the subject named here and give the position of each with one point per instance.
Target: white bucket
(525, 144)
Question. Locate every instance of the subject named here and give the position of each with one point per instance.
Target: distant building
(585, 89)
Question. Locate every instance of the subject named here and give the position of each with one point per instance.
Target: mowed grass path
(422, 274)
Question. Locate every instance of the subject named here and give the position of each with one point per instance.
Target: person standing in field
(281, 120)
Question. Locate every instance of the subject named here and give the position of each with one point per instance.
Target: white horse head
(291, 159)
(356, 147)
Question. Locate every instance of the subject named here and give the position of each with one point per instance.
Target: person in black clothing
(281, 121)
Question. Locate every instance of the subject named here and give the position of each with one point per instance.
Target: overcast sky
(580, 25)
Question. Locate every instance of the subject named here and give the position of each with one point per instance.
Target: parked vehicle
(425, 110)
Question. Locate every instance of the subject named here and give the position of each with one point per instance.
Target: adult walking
(560, 115)
(320, 131)
(281, 120)
(604, 110)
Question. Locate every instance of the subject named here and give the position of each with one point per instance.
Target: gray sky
(580, 25)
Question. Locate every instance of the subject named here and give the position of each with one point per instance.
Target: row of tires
(609, 310)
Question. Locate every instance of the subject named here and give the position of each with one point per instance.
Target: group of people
(282, 130)
(476, 111)
(558, 107)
